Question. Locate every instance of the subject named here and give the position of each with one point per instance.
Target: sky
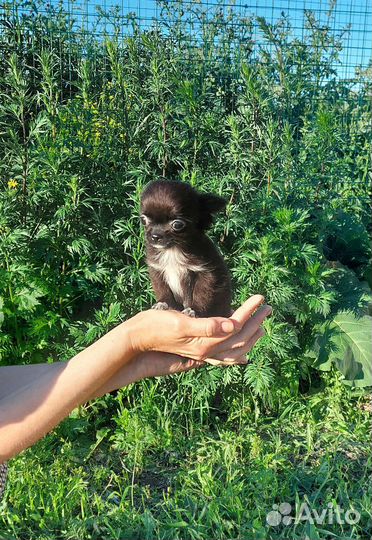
(356, 13)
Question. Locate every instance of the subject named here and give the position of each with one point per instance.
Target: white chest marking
(174, 266)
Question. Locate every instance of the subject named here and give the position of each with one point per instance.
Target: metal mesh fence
(219, 35)
(350, 22)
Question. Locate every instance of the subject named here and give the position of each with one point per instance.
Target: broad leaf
(347, 240)
(347, 343)
(352, 294)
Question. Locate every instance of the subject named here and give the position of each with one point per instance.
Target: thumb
(211, 327)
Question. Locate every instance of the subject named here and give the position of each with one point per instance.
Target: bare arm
(30, 410)
(19, 379)
(34, 399)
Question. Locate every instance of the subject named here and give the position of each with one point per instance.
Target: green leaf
(28, 299)
(352, 294)
(1, 311)
(346, 343)
(347, 240)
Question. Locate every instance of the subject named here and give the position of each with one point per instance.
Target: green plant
(85, 122)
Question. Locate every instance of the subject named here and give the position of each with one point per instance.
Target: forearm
(128, 374)
(15, 379)
(148, 364)
(29, 412)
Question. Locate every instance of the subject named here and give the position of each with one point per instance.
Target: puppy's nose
(156, 236)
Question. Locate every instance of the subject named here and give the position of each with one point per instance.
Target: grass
(86, 120)
(148, 472)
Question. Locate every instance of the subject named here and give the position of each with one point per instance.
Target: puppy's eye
(178, 225)
(144, 219)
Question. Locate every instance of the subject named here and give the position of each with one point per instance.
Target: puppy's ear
(209, 204)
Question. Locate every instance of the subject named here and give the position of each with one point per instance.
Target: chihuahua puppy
(186, 269)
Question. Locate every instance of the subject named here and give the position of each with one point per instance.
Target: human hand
(215, 340)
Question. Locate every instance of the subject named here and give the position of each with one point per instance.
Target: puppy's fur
(186, 270)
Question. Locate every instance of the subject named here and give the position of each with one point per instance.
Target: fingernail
(227, 327)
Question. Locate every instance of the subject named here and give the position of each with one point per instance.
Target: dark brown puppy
(186, 269)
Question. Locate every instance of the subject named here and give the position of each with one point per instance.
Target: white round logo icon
(279, 514)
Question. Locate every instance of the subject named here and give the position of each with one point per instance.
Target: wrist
(139, 333)
(117, 346)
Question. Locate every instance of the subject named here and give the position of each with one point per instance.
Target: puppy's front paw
(160, 305)
(190, 312)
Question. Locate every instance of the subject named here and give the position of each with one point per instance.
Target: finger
(226, 363)
(235, 356)
(249, 329)
(243, 360)
(185, 364)
(248, 346)
(212, 327)
(238, 354)
(246, 310)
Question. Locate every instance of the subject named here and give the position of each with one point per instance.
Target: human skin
(35, 398)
